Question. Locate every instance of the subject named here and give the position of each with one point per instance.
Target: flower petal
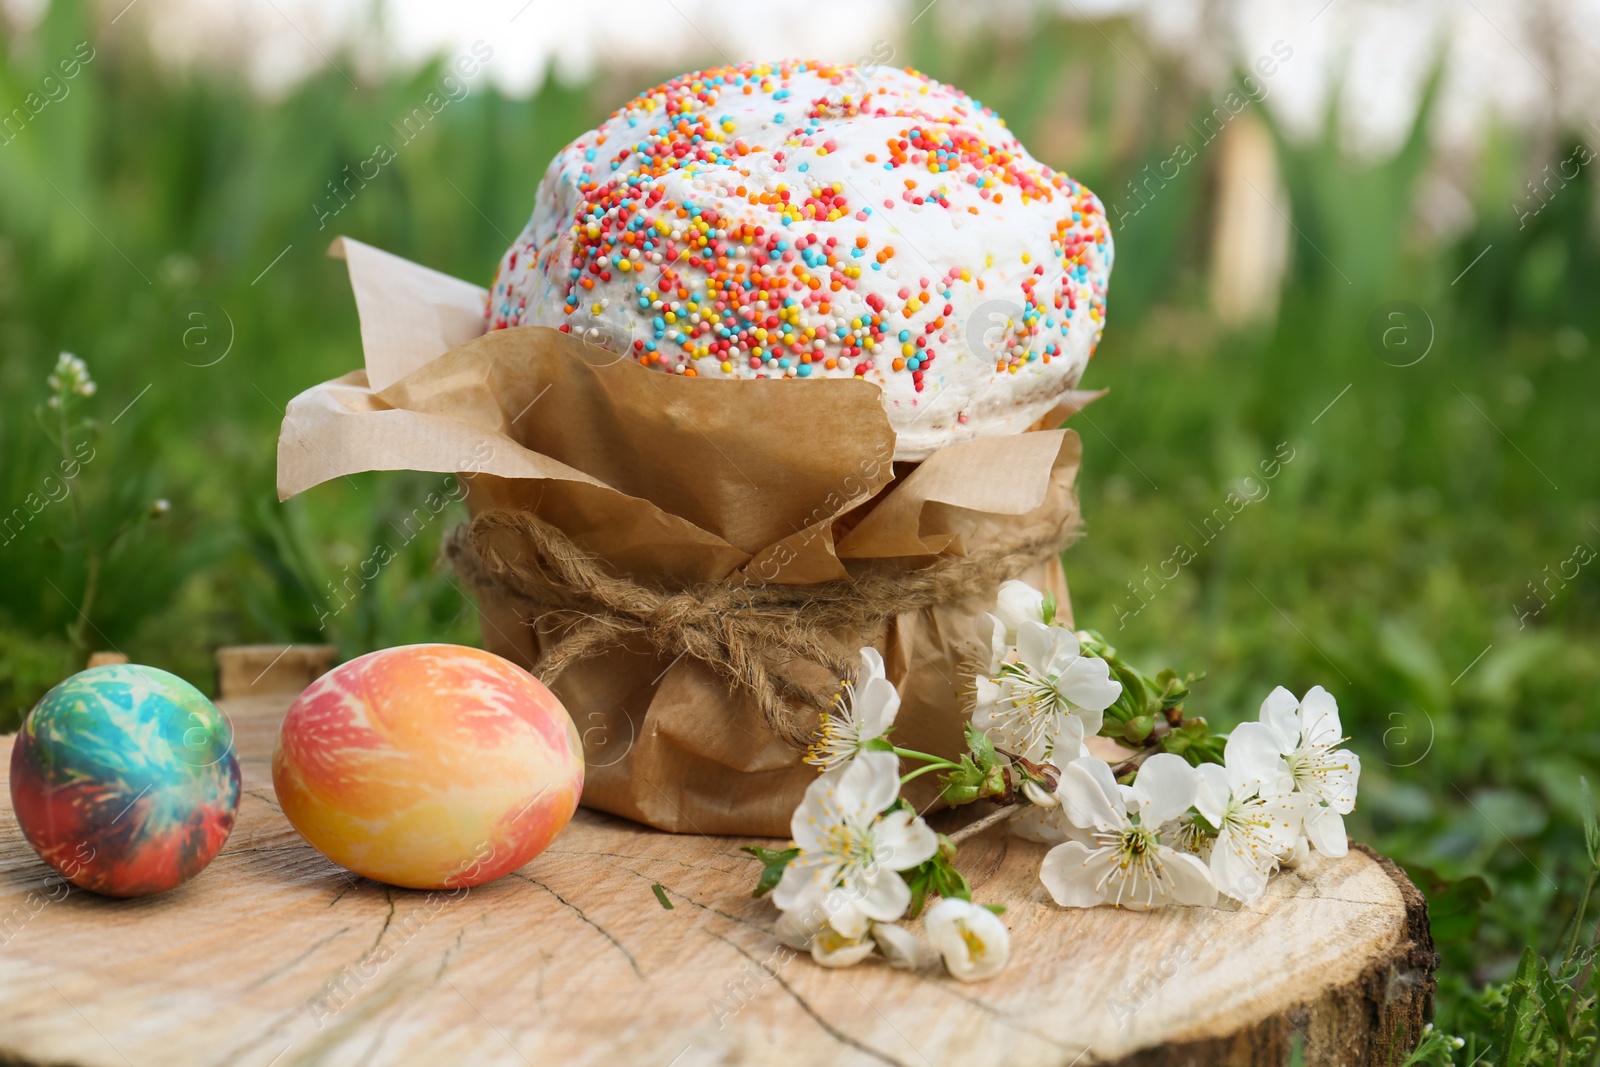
(904, 840)
(1035, 643)
(1319, 719)
(992, 632)
(869, 784)
(834, 950)
(871, 665)
(1087, 682)
(1280, 711)
(988, 694)
(1165, 788)
(875, 706)
(884, 896)
(842, 906)
(804, 883)
(1254, 762)
(1238, 872)
(1211, 794)
(1191, 881)
(1325, 830)
(974, 942)
(1072, 874)
(1340, 786)
(902, 948)
(1090, 796)
(1046, 826)
(1298, 854)
(1281, 820)
(797, 928)
(1018, 602)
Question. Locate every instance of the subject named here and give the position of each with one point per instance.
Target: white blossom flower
(974, 942)
(1016, 603)
(851, 846)
(864, 712)
(1127, 862)
(1043, 704)
(902, 948)
(1308, 735)
(809, 931)
(1253, 816)
(71, 375)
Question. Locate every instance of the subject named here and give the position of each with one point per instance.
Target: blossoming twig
(1190, 814)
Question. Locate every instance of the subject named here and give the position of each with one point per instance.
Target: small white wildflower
(71, 375)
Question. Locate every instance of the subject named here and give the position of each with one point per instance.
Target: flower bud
(1037, 795)
(1138, 728)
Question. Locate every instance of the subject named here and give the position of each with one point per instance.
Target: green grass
(1385, 560)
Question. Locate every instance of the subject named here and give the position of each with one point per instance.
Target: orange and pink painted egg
(428, 766)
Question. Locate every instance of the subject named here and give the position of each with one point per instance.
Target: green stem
(911, 753)
(1577, 920)
(91, 585)
(944, 765)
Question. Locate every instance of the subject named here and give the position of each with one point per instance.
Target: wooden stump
(274, 956)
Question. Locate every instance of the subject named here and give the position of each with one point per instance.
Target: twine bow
(744, 631)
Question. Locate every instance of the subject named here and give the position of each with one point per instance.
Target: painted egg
(428, 766)
(125, 780)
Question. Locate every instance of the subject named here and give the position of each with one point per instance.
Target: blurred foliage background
(1425, 554)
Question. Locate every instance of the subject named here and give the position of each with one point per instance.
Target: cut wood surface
(275, 956)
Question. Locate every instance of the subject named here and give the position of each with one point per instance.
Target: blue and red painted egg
(125, 780)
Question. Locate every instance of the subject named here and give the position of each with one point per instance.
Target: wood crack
(388, 895)
(271, 802)
(805, 1006)
(581, 914)
(268, 976)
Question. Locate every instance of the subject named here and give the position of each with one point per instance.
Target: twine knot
(748, 633)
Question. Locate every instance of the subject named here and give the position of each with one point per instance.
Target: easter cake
(807, 220)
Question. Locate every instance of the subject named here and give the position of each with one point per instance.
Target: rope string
(748, 633)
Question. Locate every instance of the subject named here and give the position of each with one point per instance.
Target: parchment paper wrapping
(678, 480)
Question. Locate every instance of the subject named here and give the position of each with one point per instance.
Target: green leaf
(936, 876)
(981, 747)
(998, 909)
(917, 880)
(964, 784)
(951, 882)
(1553, 999)
(1135, 698)
(1516, 1043)
(1049, 608)
(661, 895)
(773, 862)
